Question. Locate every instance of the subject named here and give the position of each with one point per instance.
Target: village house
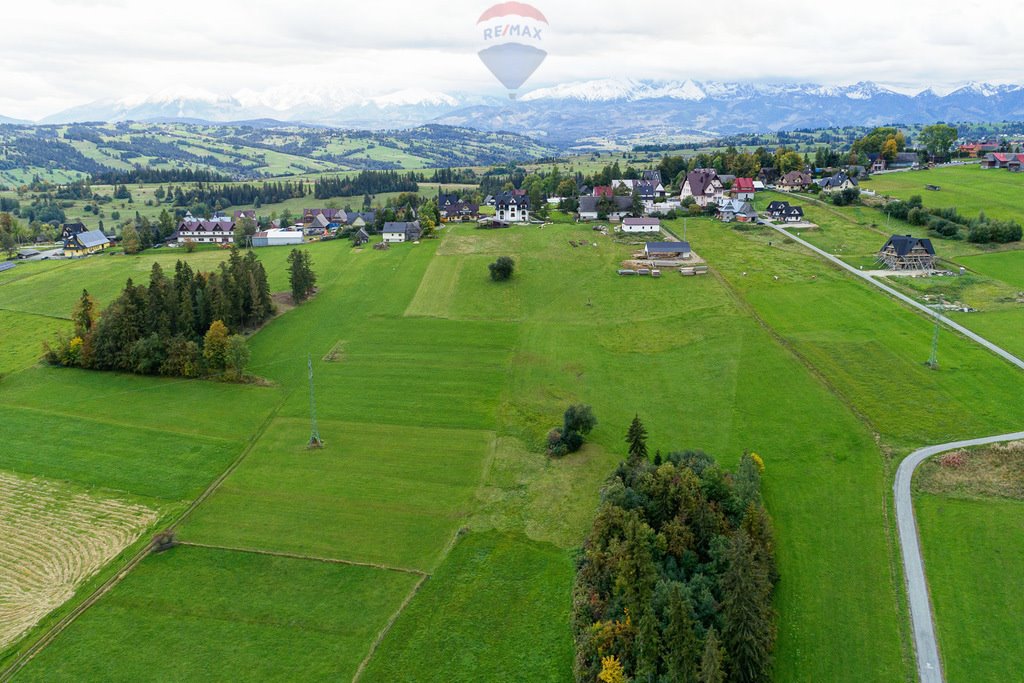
(730, 210)
(333, 216)
(245, 214)
(602, 191)
(900, 161)
(703, 185)
(776, 208)
(976, 149)
(795, 181)
(361, 237)
(512, 207)
(904, 252)
(667, 250)
(644, 224)
(459, 211)
(837, 183)
(215, 231)
(81, 242)
(1006, 160)
(792, 214)
(590, 208)
(768, 175)
(401, 231)
(743, 189)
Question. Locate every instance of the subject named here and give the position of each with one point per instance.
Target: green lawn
(196, 614)
(1006, 266)
(974, 566)
(376, 493)
(970, 189)
(25, 348)
(459, 628)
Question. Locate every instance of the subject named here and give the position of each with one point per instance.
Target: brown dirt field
(51, 540)
(992, 471)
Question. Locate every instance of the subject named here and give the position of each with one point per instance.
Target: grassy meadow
(970, 188)
(435, 388)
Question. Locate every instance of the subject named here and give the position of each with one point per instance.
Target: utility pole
(314, 438)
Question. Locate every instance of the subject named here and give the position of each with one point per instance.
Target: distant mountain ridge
(624, 109)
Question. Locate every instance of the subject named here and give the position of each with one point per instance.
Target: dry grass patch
(51, 540)
(992, 471)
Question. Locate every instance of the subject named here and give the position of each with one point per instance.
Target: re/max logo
(512, 31)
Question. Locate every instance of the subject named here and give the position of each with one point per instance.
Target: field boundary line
(382, 634)
(299, 556)
(30, 653)
(15, 311)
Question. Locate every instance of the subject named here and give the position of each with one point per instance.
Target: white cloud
(68, 52)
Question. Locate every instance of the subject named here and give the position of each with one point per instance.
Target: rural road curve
(929, 666)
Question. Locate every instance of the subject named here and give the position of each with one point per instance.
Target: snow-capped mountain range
(617, 108)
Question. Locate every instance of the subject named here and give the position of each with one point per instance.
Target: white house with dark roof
(512, 207)
(667, 250)
(396, 232)
(703, 185)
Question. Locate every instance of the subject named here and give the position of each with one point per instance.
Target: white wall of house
(646, 227)
(394, 237)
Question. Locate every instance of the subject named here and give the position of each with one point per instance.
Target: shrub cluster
(949, 223)
(676, 577)
(577, 422)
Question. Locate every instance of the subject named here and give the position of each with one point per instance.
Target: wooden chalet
(904, 252)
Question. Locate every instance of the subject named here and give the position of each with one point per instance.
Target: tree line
(139, 175)
(366, 182)
(676, 576)
(241, 194)
(187, 324)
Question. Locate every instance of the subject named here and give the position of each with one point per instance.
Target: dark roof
(652, 176)
(837, 180)
(206, 226)
(796, 178)
(700, 178)
(778, 206)
(667, 247)
(904, 244)
(793, 211)
(445, 199)
(645, 220)
(513, 197)
(412, 230)
(6, 265)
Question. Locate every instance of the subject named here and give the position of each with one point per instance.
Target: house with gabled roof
(703, 185)
(730, 210)
(667, 250)
(776, 208)
(395, 232)
(83, 243)
(795, 181)
(837, 183)
(1002, 160)
(512, 207)
(905, 252)
(206, 232)
(743, 189)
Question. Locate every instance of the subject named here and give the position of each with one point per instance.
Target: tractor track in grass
(929, 662)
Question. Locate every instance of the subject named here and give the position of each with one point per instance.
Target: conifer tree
(636, 437)
(748, 616)
(712, 666)
(84, 315)
(681, 647)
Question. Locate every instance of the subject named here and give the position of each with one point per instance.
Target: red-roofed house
(1002, 160)
(603, 191)
(743, 189)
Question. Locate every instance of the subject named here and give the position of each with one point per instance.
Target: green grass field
(435, 388)
(192, 613)
(970, 189)
(973, 561)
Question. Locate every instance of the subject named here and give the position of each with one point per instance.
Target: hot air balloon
(513, 36)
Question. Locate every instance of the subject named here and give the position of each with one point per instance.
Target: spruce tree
(681, 647)
(84, 315)
(748, 616)
(647, 647)
(712, 664)
(636, 437)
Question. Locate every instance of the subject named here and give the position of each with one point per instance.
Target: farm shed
(277, 237)
(667, 250)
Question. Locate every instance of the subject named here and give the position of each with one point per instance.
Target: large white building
(644, 224)
(512, 207)
(277, 237)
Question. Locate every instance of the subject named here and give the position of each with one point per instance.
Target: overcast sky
(60, 53)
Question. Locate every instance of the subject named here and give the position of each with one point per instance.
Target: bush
(577, 422)
(502, 269)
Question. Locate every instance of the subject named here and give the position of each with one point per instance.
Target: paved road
(929, 666)
(1006, 355)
